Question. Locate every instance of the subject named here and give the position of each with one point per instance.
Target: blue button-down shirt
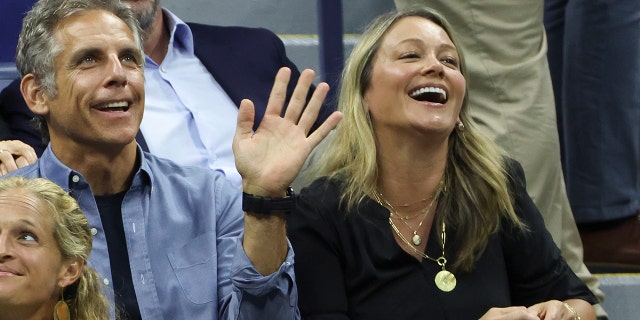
(183, 229)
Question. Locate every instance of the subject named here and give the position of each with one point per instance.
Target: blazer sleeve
(18, 117)
(5, 132)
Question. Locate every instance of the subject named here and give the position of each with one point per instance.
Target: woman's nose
(432, 65)
(6, 248)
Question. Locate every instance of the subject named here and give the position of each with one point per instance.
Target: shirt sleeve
(537, 270)
(318, 264)
(244, 292)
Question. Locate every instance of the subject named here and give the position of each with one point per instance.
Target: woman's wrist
(573, 311)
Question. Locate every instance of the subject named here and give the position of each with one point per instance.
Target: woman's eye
(410, 55)
(450, 61)
(28, 236)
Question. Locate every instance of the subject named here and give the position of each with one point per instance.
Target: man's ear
(34, 95)
(70, 272)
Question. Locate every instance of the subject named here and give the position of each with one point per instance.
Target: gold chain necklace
(416, 238)
(406, 205)
(444, 279)
(379, 196)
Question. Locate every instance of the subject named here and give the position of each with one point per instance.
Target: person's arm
(19, 118)
(5, 132)
(14, 116)
(539, 276)
(268, 160)
(571, 309)
(315, 229)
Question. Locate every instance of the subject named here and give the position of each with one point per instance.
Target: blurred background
(297, 22)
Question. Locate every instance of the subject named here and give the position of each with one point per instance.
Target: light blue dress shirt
(188, 117)
(183, 227)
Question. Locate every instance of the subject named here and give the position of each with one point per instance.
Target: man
(195, 77)
(510, 91)
(598, 103)
(170, 241)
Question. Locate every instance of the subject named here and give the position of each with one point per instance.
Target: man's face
(145, 11)
(99, 80)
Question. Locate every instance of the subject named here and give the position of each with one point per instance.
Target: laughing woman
(416, 214)
(45, 242)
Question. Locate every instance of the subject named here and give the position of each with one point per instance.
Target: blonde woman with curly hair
(417, 214)
(45, 242)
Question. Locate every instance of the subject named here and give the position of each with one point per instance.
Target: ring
(3, 150)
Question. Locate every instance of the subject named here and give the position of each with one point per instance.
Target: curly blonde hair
(73, 236)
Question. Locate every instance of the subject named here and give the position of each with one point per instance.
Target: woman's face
(416, 83)
(31, 266)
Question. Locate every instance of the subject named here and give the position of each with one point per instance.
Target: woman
(45, 242)
(418, 215)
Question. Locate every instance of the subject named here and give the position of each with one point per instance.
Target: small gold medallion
(417, 240)
(445, 281)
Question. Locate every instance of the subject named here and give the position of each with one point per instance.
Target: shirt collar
(53, 169)
(180, 32)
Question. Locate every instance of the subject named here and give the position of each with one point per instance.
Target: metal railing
(330, 34)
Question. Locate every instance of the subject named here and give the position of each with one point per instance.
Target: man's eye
(129, 58)
(88, 59)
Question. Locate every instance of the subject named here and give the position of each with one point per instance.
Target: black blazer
(243, 60)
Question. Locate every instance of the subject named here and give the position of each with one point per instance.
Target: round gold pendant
(445, 281)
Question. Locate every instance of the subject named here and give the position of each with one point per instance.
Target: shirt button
(94, 231)
(162, 68)
(106, 281)
(75, 178)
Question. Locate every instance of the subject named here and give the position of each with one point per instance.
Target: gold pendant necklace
(416, 238)
(394, 212)
(444, 279)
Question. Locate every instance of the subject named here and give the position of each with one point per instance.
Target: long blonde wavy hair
(73, 236)
(477, 195)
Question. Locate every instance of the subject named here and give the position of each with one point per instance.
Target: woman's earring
(460, 126)
(61, 310)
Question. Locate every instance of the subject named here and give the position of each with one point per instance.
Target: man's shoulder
(229, 32)
(30, 171)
